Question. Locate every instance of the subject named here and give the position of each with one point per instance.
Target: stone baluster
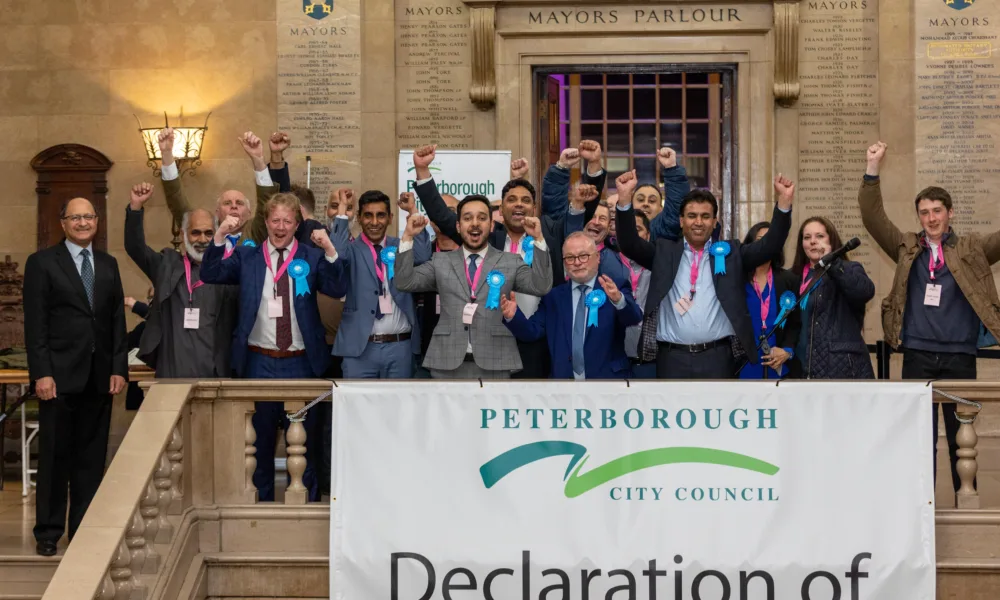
(967, 497)
(175, 454)
(296, 451)
(107, 589)
(135, 539)
(121, 573)
(151, 524)
(250, 457)
(161, 479)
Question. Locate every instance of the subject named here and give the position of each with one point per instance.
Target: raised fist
(423, 157)
(590, 151)
(279, 142)
(165, 139)
(415, 223)
(581, 194)
(141, 192)
(667, 158)
(322, 240)
(408, 202)
(518, 168)
(785, 190)
(569, 158)
(533, 227)
(228, 226)
(625, 185)
(875, 154)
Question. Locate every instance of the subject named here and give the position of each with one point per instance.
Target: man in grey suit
(470, 341)
(379, 332)
(189, 328)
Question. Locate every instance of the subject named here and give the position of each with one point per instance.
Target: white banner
(694, 491)
(459, 173)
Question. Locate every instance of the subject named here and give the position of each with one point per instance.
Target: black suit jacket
(66, 339)
(663, 257)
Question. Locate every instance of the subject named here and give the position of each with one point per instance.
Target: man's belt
(276, 353)
(389, 338)
(694, 348)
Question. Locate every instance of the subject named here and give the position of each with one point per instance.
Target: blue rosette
(298, 269)
(719, 252)
(250, 244)
(528, 243)
(595, 300)
(388, 256)
(787, 303)
(495, 281)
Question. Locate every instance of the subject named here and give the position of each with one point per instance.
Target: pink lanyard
(473, 284)
(695, 267)
(515, 247)
(805, 282)
(633, 274)
(284, 266)
(187, 276)
(765, 303)
(381, 274)
(940, 259)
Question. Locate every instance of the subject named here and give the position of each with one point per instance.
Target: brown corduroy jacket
(968, 258)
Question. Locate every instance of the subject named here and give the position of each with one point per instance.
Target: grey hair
(580, 235)
(186, 220)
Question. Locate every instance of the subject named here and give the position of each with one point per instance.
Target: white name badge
(683, 305)
(468, 312)
(191, 318)
(385, 304)
(932, 296)
(275, 310)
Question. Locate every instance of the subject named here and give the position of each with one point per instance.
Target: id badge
(385, 304)
(191, 318)
(683, 305)
(932, 296)
(468, 312)
(275, 310)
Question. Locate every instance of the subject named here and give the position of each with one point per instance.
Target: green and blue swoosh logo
(578, 483)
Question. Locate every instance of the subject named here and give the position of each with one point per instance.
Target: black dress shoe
(45, 548)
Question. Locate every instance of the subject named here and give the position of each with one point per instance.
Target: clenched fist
(667, 158)
(141, 192)
(415, 223)
(408, 202)
(254, 148)
(569, 158)
(875, 154)
(590, 151)
(228, 226)
(322, 240)
(533, 227)
(279, 142)
(581, 194)
(625, 185)
(518, 168)
(165, 140)
(785, 190)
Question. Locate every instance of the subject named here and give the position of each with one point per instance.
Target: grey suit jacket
(166, 269)
(493, 345)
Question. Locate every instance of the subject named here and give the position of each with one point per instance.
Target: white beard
(192, 253)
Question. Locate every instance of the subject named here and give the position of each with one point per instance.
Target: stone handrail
(191, 449)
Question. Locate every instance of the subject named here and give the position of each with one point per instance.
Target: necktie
(87, 275)
(233, 239)
(284, 325)
(580, 328)
(472, 271)
(378, 268)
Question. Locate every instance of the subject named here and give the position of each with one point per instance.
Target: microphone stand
(762, 345)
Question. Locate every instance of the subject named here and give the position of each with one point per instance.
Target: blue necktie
(472, 271)
(87, 275)
(580, 329)
(378, 269)
(233, 239)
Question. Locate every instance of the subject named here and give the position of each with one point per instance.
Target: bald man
(190, 326)
(230, 202)
(74, 329)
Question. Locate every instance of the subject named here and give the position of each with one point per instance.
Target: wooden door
(65, 172)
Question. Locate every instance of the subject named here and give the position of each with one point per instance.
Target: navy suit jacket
(365, 289)
(604, 346)
(245, 267)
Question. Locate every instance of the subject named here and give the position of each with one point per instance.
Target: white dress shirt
(265, 329)
(527, 304)
(76, 252)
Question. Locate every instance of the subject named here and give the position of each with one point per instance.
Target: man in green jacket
(942, 293)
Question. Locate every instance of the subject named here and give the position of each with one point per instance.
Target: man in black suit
(74, 328)
(696, 310)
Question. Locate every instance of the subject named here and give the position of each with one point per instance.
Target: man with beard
(379, 333)
(696, 307)
(190, 326)
(582, 320)
(517, 204)
(470, 340)
(278, 334)
(231, 202)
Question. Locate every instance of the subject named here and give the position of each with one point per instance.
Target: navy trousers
(269, 416)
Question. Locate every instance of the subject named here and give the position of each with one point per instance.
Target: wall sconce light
(187, 145)
(187, 154)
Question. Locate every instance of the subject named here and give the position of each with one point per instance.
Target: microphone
(829, 258)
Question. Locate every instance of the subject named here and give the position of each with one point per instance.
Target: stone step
(25, 577)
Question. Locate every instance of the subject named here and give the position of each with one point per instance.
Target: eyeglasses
(77, 218)
(577, 260)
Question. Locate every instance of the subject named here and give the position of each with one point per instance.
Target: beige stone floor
(17, 517)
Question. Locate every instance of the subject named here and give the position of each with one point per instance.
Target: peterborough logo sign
(579, 482)
(317, 9)
(959, 4)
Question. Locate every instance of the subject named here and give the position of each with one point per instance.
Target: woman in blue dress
(768, 290)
